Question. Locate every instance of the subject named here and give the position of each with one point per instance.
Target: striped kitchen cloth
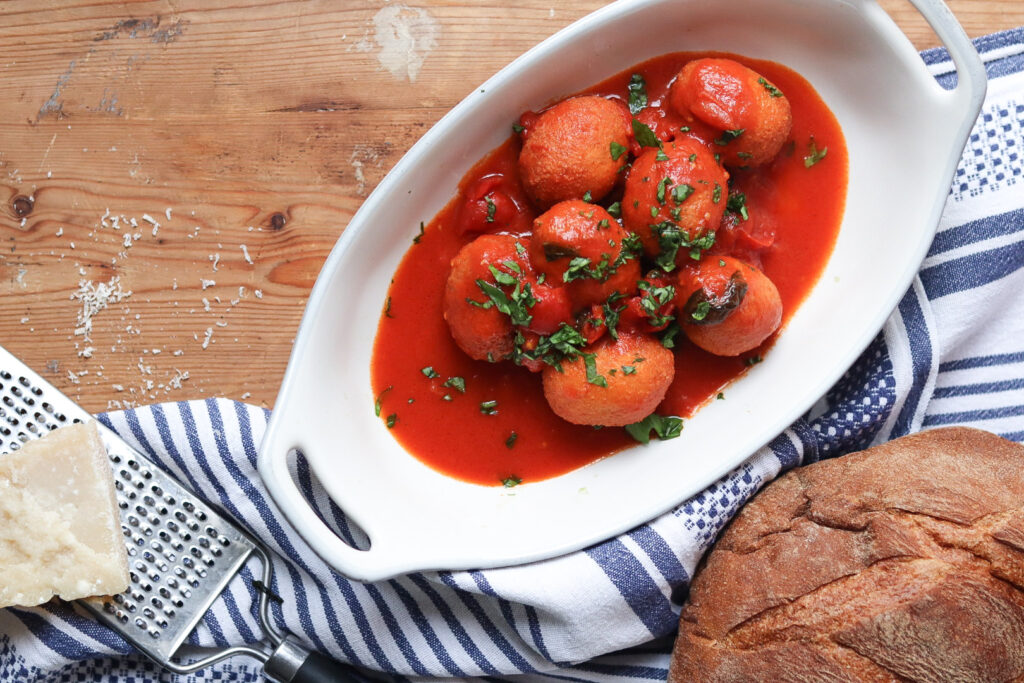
(952, 353)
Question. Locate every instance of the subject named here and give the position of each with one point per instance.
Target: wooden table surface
(173, 173)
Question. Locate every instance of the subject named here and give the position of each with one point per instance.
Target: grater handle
(291, 662)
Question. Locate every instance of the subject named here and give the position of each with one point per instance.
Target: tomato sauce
(489, 423)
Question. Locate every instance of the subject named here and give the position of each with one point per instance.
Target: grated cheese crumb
(209, 335)
(245, 253)
(94, 298)
(207, 283)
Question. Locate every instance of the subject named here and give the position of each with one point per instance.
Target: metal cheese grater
(181, 552)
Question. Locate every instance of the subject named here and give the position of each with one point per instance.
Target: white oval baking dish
(905, 135)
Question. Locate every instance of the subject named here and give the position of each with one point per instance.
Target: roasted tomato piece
(487, 207)
(552, 308)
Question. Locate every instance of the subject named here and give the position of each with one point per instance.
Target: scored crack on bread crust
(904, 562)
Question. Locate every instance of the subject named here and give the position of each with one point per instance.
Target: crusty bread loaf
(904, 562)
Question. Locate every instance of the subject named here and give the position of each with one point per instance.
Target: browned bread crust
(904, 562)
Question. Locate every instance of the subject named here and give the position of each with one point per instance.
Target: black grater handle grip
(321, 669)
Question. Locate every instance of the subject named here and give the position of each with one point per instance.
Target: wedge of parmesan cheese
(60, 531)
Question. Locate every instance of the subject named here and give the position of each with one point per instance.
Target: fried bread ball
(752, 114)
(482, 333)
(727, 307)
(577, 146)
(627, 380)
(574, 230)
(686, 187)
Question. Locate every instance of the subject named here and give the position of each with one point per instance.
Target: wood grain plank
(255, 123)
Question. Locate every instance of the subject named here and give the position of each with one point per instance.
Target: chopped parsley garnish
(710, 309)
(429, 372)
(457, 383)
(563, 344)
(417, 238)
(716, 194)
(489, 407)
(588, 198)
(772, 90)
(661, 156)
(387, 308)
(654, 212)
(671, 238)
(652, 299)
(617, 150)
(720, 397)
(645, 137)
(744, 155)
(602, 224)
(392, 420)
(684, 129)
(615, 209)
(753, 360)
(520, 249)
(509, 482)
(662, 186)
(701, 310)
(668, 337)
(628, 369)
(511, 440)
(380, 399)
(491, 208)
(611, 313)
(728, 136)
(517, 129)
(814, 155)
(637, 94)
(680, 193)
(663, 427)
(737, 203)
(593, 376)
(515, 305)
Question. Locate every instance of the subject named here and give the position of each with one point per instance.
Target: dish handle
(373, 564)
(964, 102)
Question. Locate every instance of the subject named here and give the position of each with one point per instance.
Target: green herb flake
(593, 377)
(728, 136)
(617, 150)
(654, 212)
(644, 136)
(417, 238)
(661, 156)
(447, 397)
(716, 194)
(517, 129)
(489, 407)
(753, 360)
(587, 197)
(628, 370)
(615, 209)
(701, 311)
(721, 262)
(720, 397)
(387, 308)
(772, 90)
(637, 94)
(663, 427)
(380, 400)
(429, 372)
(680, 193)
(511, 440)
(814, 155)
(521, 250)
(662, 187)
(509, 482)
(392, 420)
(737, 203)
(603, 223)
(491, 208)
(668, 337)
(684, 129)
(457, 383)
(693, 158)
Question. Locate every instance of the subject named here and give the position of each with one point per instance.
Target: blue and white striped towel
(953, 353)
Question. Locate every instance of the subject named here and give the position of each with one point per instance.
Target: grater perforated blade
(181, 552)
